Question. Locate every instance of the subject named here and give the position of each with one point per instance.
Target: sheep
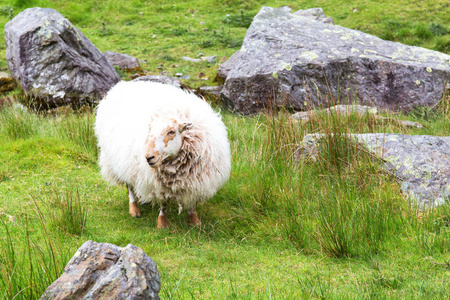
(165, 144)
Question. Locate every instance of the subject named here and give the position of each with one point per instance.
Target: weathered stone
(54, 61)
(161, 79)
(106, 271)
(346, 110)
(190, 59)
(315, 14)
(209, 91)
(298, 62)
(420, 162)
(7, 83)
(210, 59)
(123, 61)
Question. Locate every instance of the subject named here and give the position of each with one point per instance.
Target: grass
(280, 228)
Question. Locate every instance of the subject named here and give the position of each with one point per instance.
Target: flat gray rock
(161, 79)
(54, 61)
(420, 162)
(299, 62)
(123, 61)
(106, 271)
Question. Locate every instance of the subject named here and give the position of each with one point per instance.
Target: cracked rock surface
(420, 162)
(106, 271)
(54, 61)
(299, 62)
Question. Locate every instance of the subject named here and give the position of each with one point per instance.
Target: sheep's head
(164, 140)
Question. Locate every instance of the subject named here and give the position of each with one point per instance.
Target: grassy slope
(245, 248)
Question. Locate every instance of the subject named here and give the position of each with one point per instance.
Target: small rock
(185, 77)
(123, 61)
(161, 79)
(178, 74)
(7, 83)
(344, 110)
(210, 59)
(209, 91)
(315, 14)
(195, 60)
(106, 271)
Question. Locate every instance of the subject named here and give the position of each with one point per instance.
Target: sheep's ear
(185, 126)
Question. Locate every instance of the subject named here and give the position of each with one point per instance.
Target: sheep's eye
(171, 132)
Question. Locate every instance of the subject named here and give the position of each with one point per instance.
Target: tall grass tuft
(30, 260)
(17, 122)
(79, 128)
(344, 204)
(67, 209)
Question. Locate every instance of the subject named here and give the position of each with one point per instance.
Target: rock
(195, 60)
(404, 123)
(209, 92)
(298, 62)
(123, 61)
(225, 68)
(7, 83)
(161, 79)
(315, 14)
(210, 59)
(106, 271)
(420, 162)
(53, 61)
(346, 110)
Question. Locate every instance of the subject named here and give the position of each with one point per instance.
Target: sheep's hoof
(163, 222)
(134, 210)
(194, 220)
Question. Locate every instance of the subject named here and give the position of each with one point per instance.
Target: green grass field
(279, 229)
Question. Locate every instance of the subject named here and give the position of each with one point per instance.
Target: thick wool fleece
(122, 128)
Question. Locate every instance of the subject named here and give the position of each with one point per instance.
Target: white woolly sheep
(164, 143)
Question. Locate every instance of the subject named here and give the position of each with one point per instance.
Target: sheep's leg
(163, 222)
(193, 218)
(133, 208)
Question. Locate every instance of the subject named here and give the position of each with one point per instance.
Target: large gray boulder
(106, 271)
(54, 61)
(299, 62)
(420, 162)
